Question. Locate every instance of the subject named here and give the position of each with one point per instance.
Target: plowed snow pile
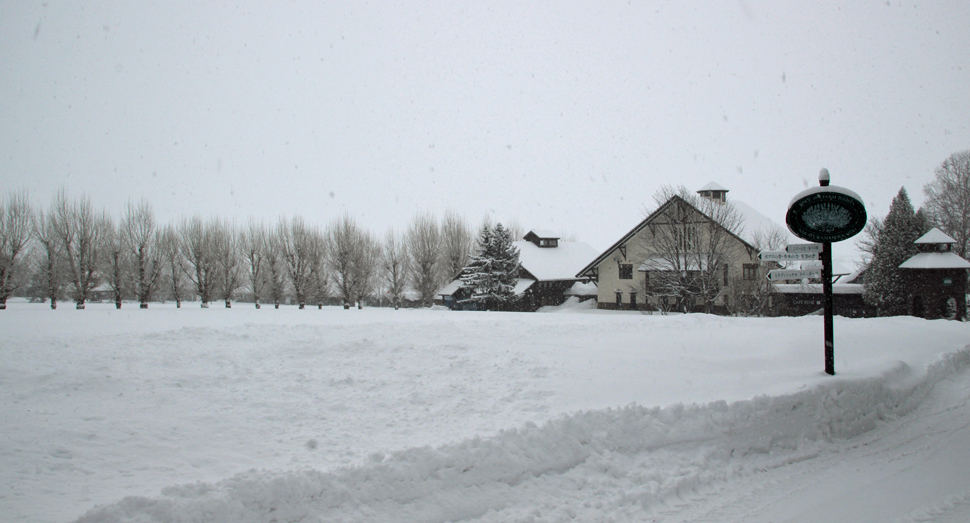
(378, 415)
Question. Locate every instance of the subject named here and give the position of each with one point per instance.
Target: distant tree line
(72, 251)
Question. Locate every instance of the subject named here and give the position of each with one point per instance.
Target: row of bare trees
(70, 250)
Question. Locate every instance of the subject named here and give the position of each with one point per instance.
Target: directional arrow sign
(804, 247)
(786, 274)
(814, 264)
(786, 256)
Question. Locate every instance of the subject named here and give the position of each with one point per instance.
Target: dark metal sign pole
(824, 215)
(827, 307)
(827, 297)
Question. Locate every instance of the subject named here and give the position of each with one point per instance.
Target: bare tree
(198, 245)
(687, 251)
(255, 243)
(51, 262)
(368, 255)
(352, 255)
(457, 243)
(867, 242)
(227, 251)
(82, 235)
(174, 262)
(15, 232)
(276, 266)
(143, 243)
(751, 296)
(424, 243)
(319, 279)
(300, 250)
(343, 251)
(116, 266)
(395, 266)
(948, 199)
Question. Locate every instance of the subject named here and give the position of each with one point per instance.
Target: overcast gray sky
(560, 115)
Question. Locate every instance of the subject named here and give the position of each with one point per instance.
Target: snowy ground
(380, 415)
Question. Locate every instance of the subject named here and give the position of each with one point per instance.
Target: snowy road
(914, 469)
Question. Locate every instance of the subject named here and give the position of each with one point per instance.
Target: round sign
(826, 214)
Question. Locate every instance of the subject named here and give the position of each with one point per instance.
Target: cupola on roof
(714, 192)
(713, 186)
(935, 236)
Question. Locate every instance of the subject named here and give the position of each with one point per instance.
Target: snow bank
(572, 304)
(609, 462)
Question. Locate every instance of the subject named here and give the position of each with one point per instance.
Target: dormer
(714, 192)
(542, 238)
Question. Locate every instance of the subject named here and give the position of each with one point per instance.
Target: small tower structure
(714, 192)
(937, 277)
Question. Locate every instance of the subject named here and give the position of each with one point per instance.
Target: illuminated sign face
(826, 214)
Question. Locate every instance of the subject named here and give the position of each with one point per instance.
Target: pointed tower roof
(935, 236)
(935, 260)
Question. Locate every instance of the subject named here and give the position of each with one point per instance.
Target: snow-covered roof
(846, 276)
(713, 186)
(754, 223)
(935, 236)
(449, 289)
(935, 260)
(582, 289)
(554, 263)
(521, 285)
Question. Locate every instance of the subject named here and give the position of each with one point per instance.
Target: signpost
(814, 248)
(823, 215)
(786, 256)
(794, 274)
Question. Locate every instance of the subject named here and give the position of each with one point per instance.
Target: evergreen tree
(475, 275)
(493, 272)
(885, 286)
(506, 268)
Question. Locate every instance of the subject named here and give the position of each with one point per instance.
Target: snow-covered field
(425, 415)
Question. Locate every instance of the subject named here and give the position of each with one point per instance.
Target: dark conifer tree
(886, 286)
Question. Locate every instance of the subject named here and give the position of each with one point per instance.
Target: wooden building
(937, 277)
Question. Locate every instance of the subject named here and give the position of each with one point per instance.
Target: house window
(626, 271)
(750, 271)
(619, 298)
(685, 237)
(633, 300)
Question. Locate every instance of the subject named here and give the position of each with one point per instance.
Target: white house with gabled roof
(623, 272)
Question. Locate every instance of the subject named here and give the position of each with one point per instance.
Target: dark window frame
(750, 271)
(626, 271)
